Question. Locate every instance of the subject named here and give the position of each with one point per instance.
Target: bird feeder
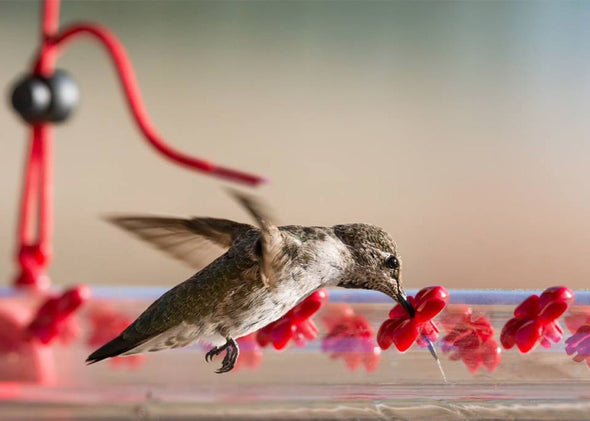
(338, 353)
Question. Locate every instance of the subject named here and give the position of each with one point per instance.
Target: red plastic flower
(402, 330)
(250, 352)
(535, 319)
(296, 324)
(55, 316)
(470, 339)
(106, 323)
(579, 342)
(350, 337)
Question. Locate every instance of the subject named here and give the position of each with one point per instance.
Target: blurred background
(460, 127)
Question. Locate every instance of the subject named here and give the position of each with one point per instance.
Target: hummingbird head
(374, 262)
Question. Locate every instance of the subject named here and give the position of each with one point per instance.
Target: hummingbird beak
(405, 303)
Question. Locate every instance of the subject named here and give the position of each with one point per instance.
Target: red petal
(282, 333)
(385, 333)
(527, 336)
(450, 338)
(74, 298)
(469, 343)
(307, 329)
(404, 336)
(554, 302)
(473, 362)
(483, 328)
(371, 358)
(528, 309)
(310, 305)
(429, 302)
(491, 354)
(454, 315)
(362, 327)
(508, 335)
(263, 337)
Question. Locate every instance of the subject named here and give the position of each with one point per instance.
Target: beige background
(461, 128)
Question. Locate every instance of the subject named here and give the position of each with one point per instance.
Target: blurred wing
(274, 245)
(196, 241)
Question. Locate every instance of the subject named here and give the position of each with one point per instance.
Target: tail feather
(111, 349)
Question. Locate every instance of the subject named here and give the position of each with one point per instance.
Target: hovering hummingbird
(264, 271)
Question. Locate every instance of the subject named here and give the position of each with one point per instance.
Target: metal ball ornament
(38, 99)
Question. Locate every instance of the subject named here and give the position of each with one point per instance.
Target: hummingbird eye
(392, 262)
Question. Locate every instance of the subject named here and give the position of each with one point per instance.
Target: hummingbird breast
(251, 304)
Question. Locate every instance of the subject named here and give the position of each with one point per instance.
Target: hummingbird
(258, 273)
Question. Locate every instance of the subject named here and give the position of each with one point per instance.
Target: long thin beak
(403, 300)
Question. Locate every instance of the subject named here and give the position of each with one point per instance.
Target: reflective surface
(340, 374)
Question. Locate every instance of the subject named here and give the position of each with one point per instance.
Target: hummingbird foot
(231, 355)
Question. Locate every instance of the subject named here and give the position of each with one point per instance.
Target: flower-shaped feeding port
(535, 320)
(578, 344)
(295, 325)
(470, 338)
(54, 319)
(106, 323)
(29, 325)
(403, 330)
(350, 338)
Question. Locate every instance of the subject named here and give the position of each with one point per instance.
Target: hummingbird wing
(274, 245)
(166, 314)
(195, 241)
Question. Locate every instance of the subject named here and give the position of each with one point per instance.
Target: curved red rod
(132, 92)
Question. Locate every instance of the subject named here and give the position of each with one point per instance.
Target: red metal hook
(132, 93)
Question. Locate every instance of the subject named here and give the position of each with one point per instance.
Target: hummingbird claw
(209, 355)
(231, 356)
(214, 352)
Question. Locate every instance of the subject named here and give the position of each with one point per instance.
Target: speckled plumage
(264, 273)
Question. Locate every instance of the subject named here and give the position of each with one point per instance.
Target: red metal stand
(34, 241)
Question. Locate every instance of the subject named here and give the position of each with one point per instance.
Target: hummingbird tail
(111, 349)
